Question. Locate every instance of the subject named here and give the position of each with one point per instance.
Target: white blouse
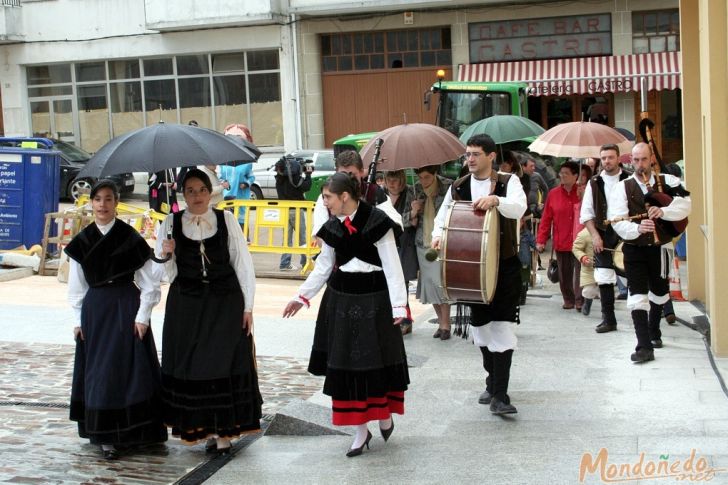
(387, 250)
(206, 227)
(512, 206)
(147, 278)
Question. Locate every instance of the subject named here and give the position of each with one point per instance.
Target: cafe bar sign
(544, 38)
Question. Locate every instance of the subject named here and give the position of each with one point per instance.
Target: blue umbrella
(503, 128)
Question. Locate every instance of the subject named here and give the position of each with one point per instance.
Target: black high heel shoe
(386, 433)
(360, 450)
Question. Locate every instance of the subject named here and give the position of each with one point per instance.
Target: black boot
(644, 351)
(486, 396)
(609, 321)
(654, 325)
(501, 402)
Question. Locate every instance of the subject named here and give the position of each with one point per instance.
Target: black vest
(221, 275)
(109, 259)
(636, 205)
(371, 225)
(508, 227)
(599, 200)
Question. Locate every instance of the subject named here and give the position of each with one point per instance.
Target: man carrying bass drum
(493, 324)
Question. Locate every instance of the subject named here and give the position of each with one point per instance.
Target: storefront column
(693, 154)
(713, 66)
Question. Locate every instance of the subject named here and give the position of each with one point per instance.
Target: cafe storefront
(573, 75)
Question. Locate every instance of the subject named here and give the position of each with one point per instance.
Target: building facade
(302, 73)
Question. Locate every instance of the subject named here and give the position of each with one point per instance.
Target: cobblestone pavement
(39, 445)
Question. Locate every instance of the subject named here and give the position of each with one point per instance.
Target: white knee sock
(385, 423)
(360, 436)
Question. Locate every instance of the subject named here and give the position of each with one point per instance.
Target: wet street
(40, 445)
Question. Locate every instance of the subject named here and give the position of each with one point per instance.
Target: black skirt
(209, 379)
(115, 395)
(356, 345)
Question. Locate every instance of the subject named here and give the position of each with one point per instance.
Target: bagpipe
(658, 195)
(370, 187)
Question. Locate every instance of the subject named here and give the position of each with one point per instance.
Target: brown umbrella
(578, 139)
(413, 145)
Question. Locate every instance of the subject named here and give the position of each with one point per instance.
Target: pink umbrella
(578, 139)
(413, 145)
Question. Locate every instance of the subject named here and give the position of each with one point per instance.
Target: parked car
(73, 160)
(264, 186)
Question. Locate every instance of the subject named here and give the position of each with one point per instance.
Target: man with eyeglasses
(493, 324)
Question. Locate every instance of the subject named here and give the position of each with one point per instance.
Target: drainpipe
(296, 90)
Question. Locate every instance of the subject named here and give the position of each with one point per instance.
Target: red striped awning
(583, 75)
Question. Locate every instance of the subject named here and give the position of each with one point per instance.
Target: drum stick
(431, 254)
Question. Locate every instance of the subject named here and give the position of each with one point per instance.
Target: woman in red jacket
(558, 216)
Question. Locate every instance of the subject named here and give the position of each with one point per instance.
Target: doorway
(53, 117)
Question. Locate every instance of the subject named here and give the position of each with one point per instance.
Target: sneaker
(642, 355)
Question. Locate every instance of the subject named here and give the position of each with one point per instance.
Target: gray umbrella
(164, 146)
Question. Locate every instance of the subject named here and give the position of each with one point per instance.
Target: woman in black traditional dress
(209, 378)
(115, 396)
(364, 362)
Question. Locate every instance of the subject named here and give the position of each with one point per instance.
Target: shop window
(124, 69)
(262, 60)
(228, 63)
(194, 101)
(158, 67)
(230, 101)
(655, 31)
(400, 48)
(191, 65)
(265, 108)
(126, 107)
(50, 91)
(93, 116)
(49, 74)
(90, 71)
(160, 101)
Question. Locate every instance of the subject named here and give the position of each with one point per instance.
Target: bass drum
(470, 249)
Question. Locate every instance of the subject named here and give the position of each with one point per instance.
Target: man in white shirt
(492, 324)
(593, 216)
(645, 227)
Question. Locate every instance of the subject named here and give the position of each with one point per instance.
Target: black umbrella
(165, 146)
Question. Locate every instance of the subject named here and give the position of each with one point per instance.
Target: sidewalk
(576, 392)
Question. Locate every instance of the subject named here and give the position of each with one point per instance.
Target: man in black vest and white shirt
(593, 216)
(644, 260)
(493, 325)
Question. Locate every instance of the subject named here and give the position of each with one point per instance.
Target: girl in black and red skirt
(358, 344)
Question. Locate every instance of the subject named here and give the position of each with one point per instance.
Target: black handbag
(552, 273)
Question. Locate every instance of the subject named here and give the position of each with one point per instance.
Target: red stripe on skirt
(352, 413)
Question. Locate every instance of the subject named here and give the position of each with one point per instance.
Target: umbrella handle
(169, 256)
